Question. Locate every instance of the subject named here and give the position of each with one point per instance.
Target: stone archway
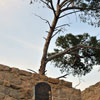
(42, 91)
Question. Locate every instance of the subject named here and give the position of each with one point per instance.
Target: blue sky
(21, 38)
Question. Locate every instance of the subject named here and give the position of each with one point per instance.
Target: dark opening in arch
(42, 91)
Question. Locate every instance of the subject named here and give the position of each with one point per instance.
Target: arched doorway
(42, 91)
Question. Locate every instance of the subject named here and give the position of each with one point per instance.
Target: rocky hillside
(92, 93)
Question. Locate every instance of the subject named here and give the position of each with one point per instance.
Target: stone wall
(18, 84)
(92, 93)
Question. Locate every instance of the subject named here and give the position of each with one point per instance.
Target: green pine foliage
(81, 60)
(78, 62)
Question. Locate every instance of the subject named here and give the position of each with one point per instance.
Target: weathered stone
(9, 98)
(2, 95)
(2, 75)
(52, 80)
(42, 77)
(14, 86)
(22, 95)
(25, 73)
(6, 91)
(15, 94)
(8, 76)
(17, 84)
(2, 89)
(27, 84)
(6, 83)
(67, 84)
(92, 93)
(24, 78)
(36, 76)
(15, 70)
(1, 82)
(29, 93)
(4, 68)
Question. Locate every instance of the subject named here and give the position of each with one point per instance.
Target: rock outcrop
(91, 93)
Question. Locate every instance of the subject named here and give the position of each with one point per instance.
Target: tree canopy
(88, 11)
(80, 59)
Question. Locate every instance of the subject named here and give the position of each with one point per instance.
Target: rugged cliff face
(92, 93)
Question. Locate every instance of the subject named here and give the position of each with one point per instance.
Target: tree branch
(66, 4)
(52, 7)
(63, 2)
(56, 33)
(59, 30)
(46, 3)
(62, 25)
(64, 76)
(32, 71)
(71, 3)
(69, 50)
(60, 54)
(78, 8)
(68, 14)
(31, 2)
(44, 20)
(58, 2)
(79, 82)
(44, 38)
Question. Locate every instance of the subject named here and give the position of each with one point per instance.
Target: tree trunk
(47, 42)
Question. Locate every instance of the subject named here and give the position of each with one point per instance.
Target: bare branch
(44, 38)
(63, 2)
(57, 32)
(58, 2)
(64, 76)
(99, 70)
(80, 80)
(31, 2)
(69, 50)
(46, 3)
(66, 4)
(62, 25)
(71, 3)
(32, 70)
(68, 14)
(78, 83)
(52, 7)
(78, 8)
(46, 31)
(43, 19)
